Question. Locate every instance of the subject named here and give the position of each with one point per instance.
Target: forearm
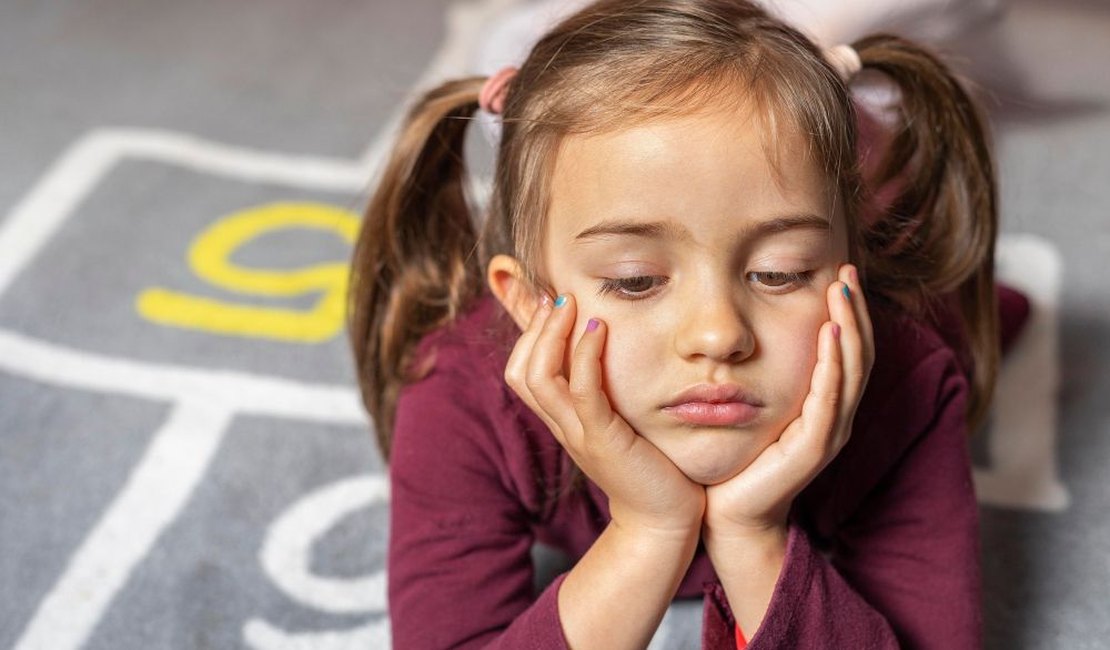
(748, 567)
(616, 595)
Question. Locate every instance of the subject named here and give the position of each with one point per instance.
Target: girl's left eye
(781, 279)
(632, 288)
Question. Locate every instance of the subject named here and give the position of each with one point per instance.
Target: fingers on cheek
(866, 333)
(859, 346)
(590, 399)
(517, 364)
(820, 409)
(586, 359)
(828, 359)
(840, 299)
(829, 388)
(832, 335)
(851, 339)
(551, 343)
(850, 277)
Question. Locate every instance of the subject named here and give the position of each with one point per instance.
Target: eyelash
(624, 287)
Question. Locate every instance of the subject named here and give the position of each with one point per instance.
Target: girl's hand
(757, 500)
(645, 489)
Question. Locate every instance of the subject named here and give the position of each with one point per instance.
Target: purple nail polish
(836, 331)
(591, 325)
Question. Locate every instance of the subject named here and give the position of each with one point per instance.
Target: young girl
(681, 349)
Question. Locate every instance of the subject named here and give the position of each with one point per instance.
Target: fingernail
(853, 276)
(560, 301)
(591, 325)
(545, 300)
(844, 290)
(836, 331)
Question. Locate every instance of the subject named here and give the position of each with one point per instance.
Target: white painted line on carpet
(286, 554)
(261, 635)
(35, 219)
(230, 390)
(204, 401)
(151, 499)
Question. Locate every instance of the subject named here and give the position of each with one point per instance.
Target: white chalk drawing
(286, 556)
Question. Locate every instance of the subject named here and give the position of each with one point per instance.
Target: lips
(714, 405)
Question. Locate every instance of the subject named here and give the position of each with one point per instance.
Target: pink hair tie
(492, 96)
(845, 60)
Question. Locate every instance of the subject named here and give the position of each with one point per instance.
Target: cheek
(614, 354)
(621, 372)
(624, 358)
(792, 348)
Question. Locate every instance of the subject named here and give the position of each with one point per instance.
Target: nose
(715, 327)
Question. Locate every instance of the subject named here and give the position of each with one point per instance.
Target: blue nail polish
(560, 301)
(847, 292)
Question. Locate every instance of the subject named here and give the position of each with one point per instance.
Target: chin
(710, 471)
(708, 456)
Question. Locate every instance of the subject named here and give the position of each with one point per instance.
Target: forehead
(708, 171)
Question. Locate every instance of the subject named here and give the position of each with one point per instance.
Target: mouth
(714, 405)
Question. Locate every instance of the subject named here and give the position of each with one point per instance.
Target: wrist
(617, 593)
(748, 566)
(680, 526)
(723, 528)
(676, 533)
(741, 547)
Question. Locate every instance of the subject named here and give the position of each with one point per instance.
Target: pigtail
(414, 266)
(933, 252)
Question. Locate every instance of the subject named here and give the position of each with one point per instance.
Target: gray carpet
(183, 460)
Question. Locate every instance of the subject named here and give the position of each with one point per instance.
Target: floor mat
(184, 461)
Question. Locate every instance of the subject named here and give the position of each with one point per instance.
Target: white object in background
(831, 23)
(511, 36)
(1023, 431)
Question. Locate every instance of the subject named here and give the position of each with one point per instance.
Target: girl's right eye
(632, 288)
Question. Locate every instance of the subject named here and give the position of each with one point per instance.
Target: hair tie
(845, 60)
(492, 96)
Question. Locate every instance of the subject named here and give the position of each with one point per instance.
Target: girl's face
(709, 268)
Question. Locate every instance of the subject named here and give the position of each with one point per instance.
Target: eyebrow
(675, 231)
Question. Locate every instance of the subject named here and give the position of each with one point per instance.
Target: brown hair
(934, 249)
(419, 259)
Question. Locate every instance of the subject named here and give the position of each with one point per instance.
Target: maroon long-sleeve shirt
(882, 549)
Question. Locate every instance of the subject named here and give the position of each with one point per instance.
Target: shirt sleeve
(460, 570)
(903, 569)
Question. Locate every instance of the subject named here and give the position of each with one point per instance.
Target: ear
(506, 280)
